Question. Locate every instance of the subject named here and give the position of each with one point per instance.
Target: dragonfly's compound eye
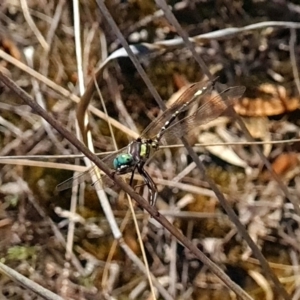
(123, 161)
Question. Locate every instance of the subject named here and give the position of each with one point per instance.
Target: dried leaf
(273, 101)
(224, 152)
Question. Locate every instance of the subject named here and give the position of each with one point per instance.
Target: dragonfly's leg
(132, 175)
(150, 184)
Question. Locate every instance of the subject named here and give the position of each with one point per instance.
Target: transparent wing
(87, 175)
(211, 109)
(190, 96)
(208, 111)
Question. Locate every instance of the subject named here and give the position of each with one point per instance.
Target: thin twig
(31, 285)
(43, 157)
(233, 217)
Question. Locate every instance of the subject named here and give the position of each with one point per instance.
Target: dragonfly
(172, 123)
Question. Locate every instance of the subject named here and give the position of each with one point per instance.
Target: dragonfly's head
(123, 163)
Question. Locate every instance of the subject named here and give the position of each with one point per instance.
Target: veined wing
(189, 96)
(211, 109)
(88, 174)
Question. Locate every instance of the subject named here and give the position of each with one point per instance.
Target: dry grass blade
(31, 285)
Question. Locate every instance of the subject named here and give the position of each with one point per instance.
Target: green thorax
(138, 153)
